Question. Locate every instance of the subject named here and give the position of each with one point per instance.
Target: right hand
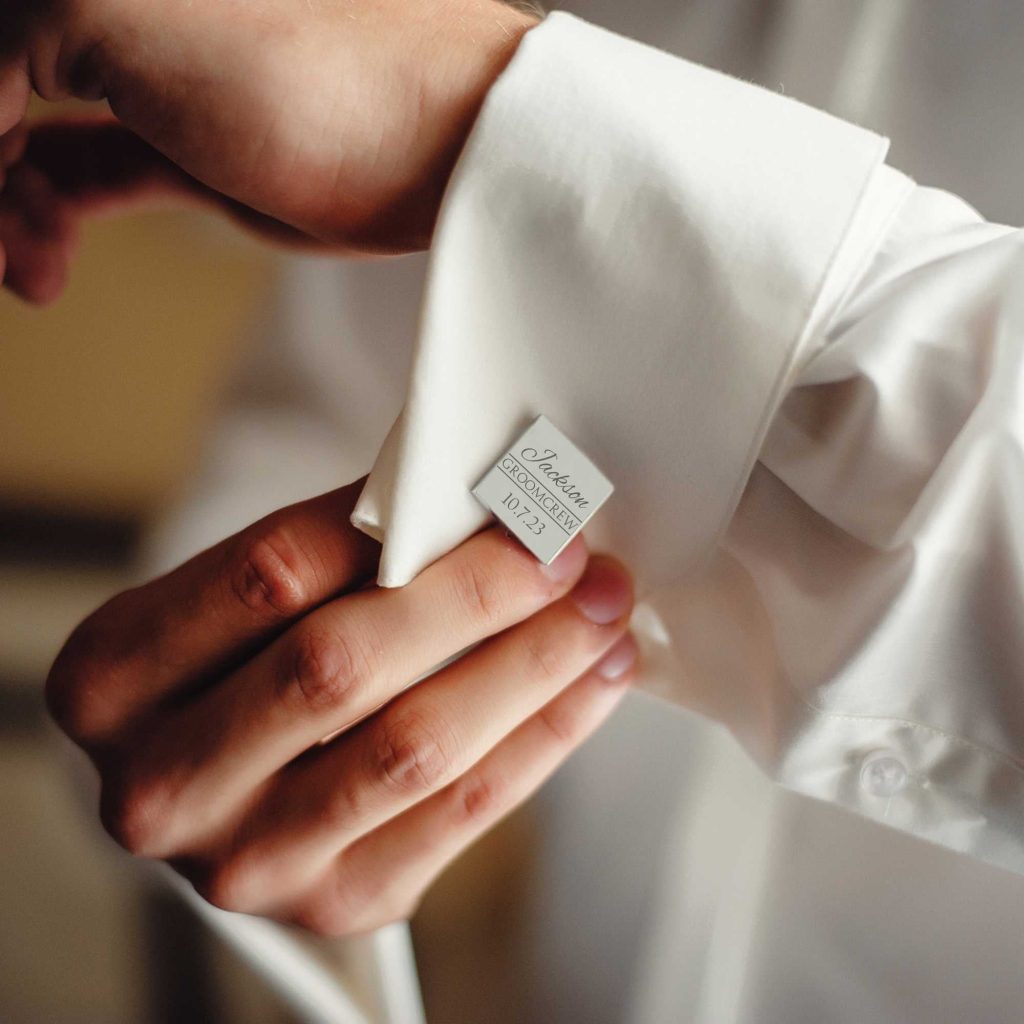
(342, 121)
(202, 698)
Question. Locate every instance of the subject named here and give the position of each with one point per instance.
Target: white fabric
(674, 882)
(573, 272)
(665, 261)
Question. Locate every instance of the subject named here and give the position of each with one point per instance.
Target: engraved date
(523, 512)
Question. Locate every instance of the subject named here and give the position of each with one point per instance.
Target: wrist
(460, 62)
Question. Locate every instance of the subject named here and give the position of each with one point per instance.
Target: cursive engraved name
(545, 465)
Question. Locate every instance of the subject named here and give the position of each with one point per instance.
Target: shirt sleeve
(798, 369)
(588, 265)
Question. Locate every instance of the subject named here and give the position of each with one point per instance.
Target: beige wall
(103, 397)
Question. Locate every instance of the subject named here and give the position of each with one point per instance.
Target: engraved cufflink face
(544, 489)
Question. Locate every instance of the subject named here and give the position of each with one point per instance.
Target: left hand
(203, 696)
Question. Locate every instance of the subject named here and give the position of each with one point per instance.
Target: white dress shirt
(800, 370)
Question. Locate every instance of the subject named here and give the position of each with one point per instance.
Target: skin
(330, 122)
(250, 714)
(203, 697)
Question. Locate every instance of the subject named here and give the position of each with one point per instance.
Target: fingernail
(619, 659)
(569, 564)
(605, 593)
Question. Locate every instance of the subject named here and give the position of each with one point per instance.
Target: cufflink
(544, 489)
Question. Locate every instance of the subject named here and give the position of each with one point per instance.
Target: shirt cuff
(634, 246)
(937, 785)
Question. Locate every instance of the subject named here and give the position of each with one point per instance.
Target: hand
(62, 171)
(203, 696)
(340, 120)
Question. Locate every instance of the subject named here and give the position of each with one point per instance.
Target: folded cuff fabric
(652, 255)
(586, 266)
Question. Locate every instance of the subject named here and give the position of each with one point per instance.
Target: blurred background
(107, 401)
(103, 401)
(189, 381)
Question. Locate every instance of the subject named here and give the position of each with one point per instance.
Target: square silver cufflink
(544, 489)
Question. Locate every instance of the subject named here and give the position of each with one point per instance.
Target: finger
(182, 630)
(15, 90)
(98, 166)
(37, 235)
(12, 148)
(13, 145)
(382, 877)
(79, 167)
(339, 664)
(426, 738)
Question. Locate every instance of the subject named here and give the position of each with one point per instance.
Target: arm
(337, 123)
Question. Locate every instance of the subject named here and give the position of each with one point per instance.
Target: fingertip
(13, 144)
(605, 592)
(40, 281)
(38, 273)
(15, 92)
(45, 291)
(619, 661)
(39, 237)
(570, 563)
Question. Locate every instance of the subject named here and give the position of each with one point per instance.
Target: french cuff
(634, 246)
(936, 785)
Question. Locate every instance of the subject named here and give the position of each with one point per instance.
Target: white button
(883, 774)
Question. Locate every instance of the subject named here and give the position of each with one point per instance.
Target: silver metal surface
(544, 489)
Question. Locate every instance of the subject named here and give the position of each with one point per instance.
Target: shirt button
(883, 774)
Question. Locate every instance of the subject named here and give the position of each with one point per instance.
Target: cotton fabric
(800, 370)
(673, 881)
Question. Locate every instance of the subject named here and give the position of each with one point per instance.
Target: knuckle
(336, 917)
(225, 884)
(325, 670)
(324, 919)
(413, 754)
(134, 812)
(550, 655)
(563, 726)
(74, 685)
(352, 903)
(271, 577)
(345, 807)
(479, 798)
(482, 592)
(67, 699)
(388, 910)
(335, 910)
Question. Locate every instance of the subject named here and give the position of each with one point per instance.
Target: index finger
(15, 89)
(178, 632)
